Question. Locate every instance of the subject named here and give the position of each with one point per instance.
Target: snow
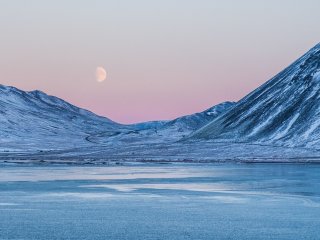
(316, 76)
(281, 134)
(315, 125)
(261, 126)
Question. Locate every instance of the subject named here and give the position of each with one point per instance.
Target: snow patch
(286, 130)
(313, 127)
(316, 76)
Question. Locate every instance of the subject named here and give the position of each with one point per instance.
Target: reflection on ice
(228, 199)
(7, 204)
(196, 187)
(10, 174)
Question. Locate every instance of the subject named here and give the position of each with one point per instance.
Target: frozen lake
(207, 201)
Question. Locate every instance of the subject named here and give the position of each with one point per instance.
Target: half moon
(101, 74)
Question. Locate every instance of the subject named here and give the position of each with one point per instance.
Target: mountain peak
(35, 118)
(284, 110)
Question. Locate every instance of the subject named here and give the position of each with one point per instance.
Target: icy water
(254, 201)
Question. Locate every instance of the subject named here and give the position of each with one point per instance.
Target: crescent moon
(101, 74)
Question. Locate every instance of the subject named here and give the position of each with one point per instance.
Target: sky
(163, 58)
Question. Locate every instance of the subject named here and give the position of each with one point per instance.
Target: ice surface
(229, 201)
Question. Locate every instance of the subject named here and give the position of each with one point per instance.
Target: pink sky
(164, 58)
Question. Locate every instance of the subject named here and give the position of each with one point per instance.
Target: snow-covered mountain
(189, 122)
(198, 120)
(34, 119)
(180, 127)
(283, 111)
(162, 131)
(185, 125)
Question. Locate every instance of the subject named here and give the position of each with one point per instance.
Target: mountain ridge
(284, 111)
(34, 119)
(276, 112)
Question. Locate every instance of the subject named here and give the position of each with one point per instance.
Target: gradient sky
(164, 58)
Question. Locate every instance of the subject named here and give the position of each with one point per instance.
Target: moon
(101, 74)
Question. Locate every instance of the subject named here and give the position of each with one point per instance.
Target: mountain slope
(285, 110)
(182, 126)
(188, 122)
(35, 119)
(198, 120)
(163, 131)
